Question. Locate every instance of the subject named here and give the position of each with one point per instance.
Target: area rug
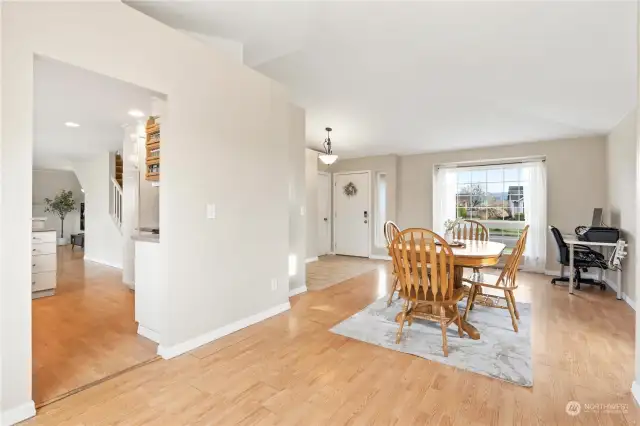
(500, 353)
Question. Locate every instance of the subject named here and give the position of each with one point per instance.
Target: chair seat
(458, 294)
(485, 280)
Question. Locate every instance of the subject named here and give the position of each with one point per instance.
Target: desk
(475, 254)
(571, 240)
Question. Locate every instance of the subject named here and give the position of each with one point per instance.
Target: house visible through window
(493, 196)
(381, 208)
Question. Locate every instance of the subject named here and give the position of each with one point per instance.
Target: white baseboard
(102, 262)
(298, 290)
(149, 334)
(168, 352)
(311, 259)
(610, 283)
(18, 414)
(635, 391)
(379, 257)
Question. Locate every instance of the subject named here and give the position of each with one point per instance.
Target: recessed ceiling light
(71, 124)
(136, 113)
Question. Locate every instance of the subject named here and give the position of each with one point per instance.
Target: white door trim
(330, 198)
(333, 204)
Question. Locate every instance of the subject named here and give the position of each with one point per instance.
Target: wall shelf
(152, 145)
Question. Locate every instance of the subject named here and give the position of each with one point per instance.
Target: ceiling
(407, 77)
(100, 104)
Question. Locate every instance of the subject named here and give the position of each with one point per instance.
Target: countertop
(147, 237)
(43, 230)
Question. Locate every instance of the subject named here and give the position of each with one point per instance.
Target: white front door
(324, 214)
(352, 214)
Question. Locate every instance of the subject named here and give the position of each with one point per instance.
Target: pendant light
(328, 157)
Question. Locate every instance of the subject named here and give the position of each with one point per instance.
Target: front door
(324, 214)
(352, 215)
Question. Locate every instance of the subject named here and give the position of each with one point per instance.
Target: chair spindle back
(471, 230)
(413, 251)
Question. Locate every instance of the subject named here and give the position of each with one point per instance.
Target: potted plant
(61, 205)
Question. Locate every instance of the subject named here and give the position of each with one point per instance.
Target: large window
(493, 196)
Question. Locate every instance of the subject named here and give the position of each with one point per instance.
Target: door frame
(333, 207)
(330, 198)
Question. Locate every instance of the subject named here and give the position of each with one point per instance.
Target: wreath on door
(350, 189)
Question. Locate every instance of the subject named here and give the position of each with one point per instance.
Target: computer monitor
(597, 217)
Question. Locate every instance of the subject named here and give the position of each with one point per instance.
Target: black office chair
(583, 257)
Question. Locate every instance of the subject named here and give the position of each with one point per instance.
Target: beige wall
(576, 181)
(297, 199)
(621, 200)
(311, 183)
(46, 184)
(379, 164)
(225, 141)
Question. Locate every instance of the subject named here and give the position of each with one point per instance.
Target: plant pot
(62, 241)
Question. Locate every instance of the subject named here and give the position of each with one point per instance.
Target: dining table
(472, 254)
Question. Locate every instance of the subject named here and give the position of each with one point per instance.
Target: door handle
(365, 221)
(325, 219)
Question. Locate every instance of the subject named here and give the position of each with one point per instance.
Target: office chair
(583, 257)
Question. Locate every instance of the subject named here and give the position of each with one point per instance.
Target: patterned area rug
(500, 352)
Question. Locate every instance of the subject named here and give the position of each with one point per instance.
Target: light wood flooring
(290, 370)
(330, 270)
(86, 331)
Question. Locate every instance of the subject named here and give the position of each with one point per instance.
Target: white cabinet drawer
(43, 237)
(43, 248)
(43, 281)
(44, 263)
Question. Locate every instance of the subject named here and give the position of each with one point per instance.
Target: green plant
(61, 205)
(462, 212)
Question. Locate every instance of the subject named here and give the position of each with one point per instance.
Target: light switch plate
(302, 211)
(211, 211)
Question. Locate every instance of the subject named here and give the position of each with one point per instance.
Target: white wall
(383, 163)
(621, 200)
(103, 241)
(576, 181)
(234, 50)
(636, 383)
(46, 184)
(297, 199)
(225, 142)
(311, 184)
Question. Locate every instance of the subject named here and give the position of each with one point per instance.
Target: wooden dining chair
(391, 230)
(424, 264)
(471, 230)
(505, 282)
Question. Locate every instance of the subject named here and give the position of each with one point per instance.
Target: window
(381, 208)
(493, 196)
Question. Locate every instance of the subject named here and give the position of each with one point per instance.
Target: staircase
(115, 201)
(118, 171)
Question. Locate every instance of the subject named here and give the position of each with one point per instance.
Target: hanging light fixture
(328, 157)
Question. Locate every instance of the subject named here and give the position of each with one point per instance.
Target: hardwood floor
(330, 270)
(86, 332)
(290, 370)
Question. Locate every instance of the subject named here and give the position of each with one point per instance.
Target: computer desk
(571, 240)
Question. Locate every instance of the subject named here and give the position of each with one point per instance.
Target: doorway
(352, 213)
(84, 328)
(324, 213)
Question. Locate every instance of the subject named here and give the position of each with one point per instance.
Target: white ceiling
(100, 104)
(405, 77)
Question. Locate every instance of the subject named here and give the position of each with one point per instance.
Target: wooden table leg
(466, 326)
